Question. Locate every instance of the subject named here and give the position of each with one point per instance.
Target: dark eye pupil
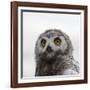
(43, 42)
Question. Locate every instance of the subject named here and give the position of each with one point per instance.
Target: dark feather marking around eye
(43, 42)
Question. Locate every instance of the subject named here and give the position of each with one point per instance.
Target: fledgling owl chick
(54, 54)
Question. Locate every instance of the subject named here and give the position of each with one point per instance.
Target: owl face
(51, 44)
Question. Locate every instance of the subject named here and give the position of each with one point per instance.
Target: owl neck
(50, 61)
(50, 67)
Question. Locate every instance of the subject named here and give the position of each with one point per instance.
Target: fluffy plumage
(54, 54)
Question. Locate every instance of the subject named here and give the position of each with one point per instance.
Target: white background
(36, 23)
(5, 47)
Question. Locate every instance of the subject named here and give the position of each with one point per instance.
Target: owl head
(53, 43)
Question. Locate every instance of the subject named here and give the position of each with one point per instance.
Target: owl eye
(57, 41)
(43, 43)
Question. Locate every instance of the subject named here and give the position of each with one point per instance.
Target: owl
(54, 54)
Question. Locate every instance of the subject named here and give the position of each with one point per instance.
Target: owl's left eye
(43, 43)
(57, 41)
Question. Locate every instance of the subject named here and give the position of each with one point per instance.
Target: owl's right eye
(43, 43)
(57, 41)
